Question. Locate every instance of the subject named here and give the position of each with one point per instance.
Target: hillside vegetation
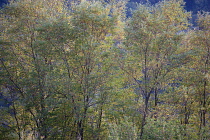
(83, 70)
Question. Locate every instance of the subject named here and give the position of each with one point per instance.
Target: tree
(152, 40)
(63, 57)
(25, 66)
(198, 70)
(93, 31)
(81, 70)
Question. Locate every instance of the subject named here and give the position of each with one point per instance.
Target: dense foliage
(81, 70)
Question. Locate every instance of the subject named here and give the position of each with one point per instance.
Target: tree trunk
(99, 121)
(156, 99)
(81, 130)
(144, 116)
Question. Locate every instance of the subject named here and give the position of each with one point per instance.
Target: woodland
(84, 70)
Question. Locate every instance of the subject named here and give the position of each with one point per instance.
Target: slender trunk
(100, 118)
(203, 99)
(81, 130)
(146, 94)
(17, 121)
(156, 99)
(142, 125)
(81, 124)
(99, 122)
(144, 116)
(203, 111)
(186, 115)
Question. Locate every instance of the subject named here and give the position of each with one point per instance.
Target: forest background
(97, 70)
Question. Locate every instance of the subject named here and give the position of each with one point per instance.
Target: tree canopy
(84, 70)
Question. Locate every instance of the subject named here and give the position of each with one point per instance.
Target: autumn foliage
(79, 70)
